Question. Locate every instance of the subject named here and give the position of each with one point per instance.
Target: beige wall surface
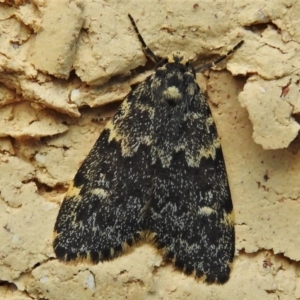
(63, 62)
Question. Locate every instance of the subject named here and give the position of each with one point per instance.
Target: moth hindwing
(156, 172)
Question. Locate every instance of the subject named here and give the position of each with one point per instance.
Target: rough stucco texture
(61, 62)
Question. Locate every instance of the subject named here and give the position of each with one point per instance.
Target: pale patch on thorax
(172, 92)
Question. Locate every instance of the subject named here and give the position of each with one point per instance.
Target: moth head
(177, 57)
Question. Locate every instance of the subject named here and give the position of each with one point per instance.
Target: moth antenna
(148, 52)
(220, 59)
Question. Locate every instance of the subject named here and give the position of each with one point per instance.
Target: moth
(156, 173)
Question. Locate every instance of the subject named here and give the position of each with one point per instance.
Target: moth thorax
(177, 57)
(172, 95)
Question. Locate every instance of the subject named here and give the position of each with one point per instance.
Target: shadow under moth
(156, 173)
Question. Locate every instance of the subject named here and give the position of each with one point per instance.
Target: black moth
(157, 173)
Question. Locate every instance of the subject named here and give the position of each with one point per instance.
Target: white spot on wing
(100, 192)
(206, 210)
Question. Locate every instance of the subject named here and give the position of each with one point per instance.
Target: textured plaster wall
(62, 61)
